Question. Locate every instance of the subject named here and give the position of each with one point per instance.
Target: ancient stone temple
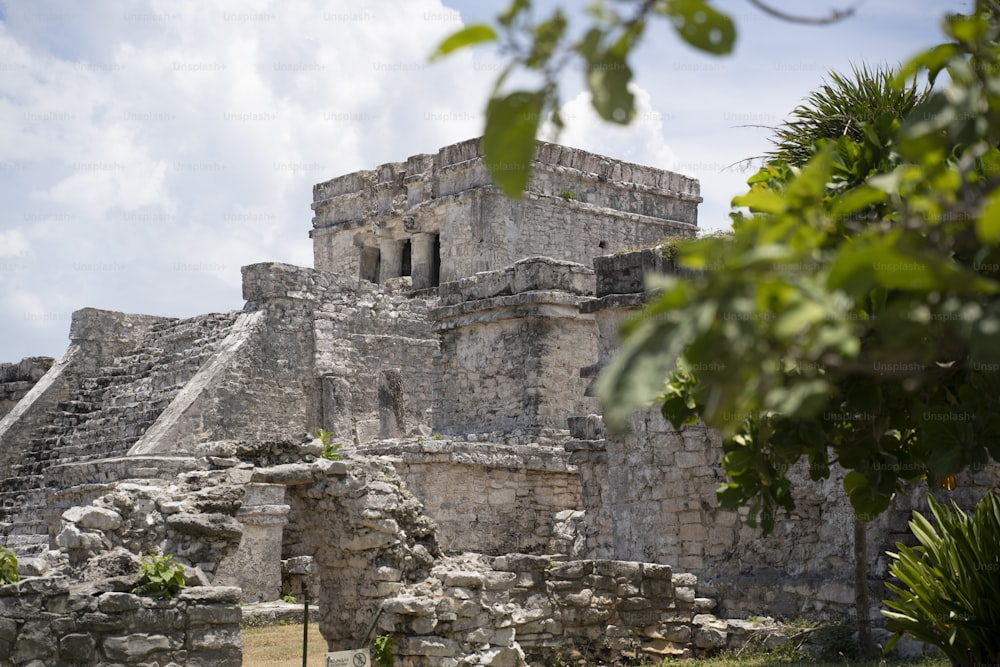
(446, 338)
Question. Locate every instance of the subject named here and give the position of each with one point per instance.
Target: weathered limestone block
(491, 498)
(256, 565)
(48, 621)
(510, 362)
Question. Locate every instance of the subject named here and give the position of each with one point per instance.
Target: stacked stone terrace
(105, 404)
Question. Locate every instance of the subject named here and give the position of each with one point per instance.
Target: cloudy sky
(152, 147)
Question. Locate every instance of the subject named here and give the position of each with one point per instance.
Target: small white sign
(356, 658)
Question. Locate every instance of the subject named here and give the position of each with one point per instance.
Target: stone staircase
(106, 415)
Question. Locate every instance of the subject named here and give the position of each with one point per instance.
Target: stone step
(110, 411)
(26, 546)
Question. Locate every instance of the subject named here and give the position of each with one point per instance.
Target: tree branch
(837, 15)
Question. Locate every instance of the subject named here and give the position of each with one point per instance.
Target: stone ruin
(447, 339)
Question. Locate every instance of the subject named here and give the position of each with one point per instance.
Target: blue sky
(152, 147)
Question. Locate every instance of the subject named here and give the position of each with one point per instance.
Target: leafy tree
(844, 106)
(852, 318)
(881, 355)
(8, 566)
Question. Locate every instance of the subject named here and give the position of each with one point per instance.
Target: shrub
(162, 575)
(950, 592)
(8, 566)
(331, 450)
(383, 645)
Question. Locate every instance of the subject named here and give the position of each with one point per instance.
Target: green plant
(288, 597)
(835, 640)
(383, 646)
(669, 250)
(331, 450)
(845, 106)
(567, 195)
(8, 566)
(163, 576)
(436, 436)
(950, 592)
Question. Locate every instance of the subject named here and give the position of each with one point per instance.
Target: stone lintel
(493, 456)
(263, 515)
(526, 305)
(526, 275)
(627, 301)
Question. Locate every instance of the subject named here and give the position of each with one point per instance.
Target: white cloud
(153, 149)
(640, 141)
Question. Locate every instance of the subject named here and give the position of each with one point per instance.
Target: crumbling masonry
(446, 337)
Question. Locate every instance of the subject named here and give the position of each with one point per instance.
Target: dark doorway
(436, 261)
(406, 269)
(371, 258)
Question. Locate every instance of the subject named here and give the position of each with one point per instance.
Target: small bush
(162, 576)
(331, 450)
(950, 593)
(8, 566)
(383, 646)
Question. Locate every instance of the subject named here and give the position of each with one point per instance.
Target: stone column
(256, 565)
(391, 263)
(423, 260)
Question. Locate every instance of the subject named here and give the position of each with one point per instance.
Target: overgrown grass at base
(732, 660)
(281, 646)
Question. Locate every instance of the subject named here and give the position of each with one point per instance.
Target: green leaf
(516, 7)
(761, 200)
(608, 76)
(701, 25)
(856, 199)
(988, 224)
(547, 36)
(509, 139)
(933, 60)
(473, 34)
(802, 399)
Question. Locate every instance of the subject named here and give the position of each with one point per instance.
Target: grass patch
(732, 660)
(281, 646)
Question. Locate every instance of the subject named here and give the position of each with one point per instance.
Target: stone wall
(517, 608)
(512, 343)
(376, 357)
(17, 378)
(577, 205)
(377, 561)
(367, 534)
(649, 495)
(49, 621)
(489, 498)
